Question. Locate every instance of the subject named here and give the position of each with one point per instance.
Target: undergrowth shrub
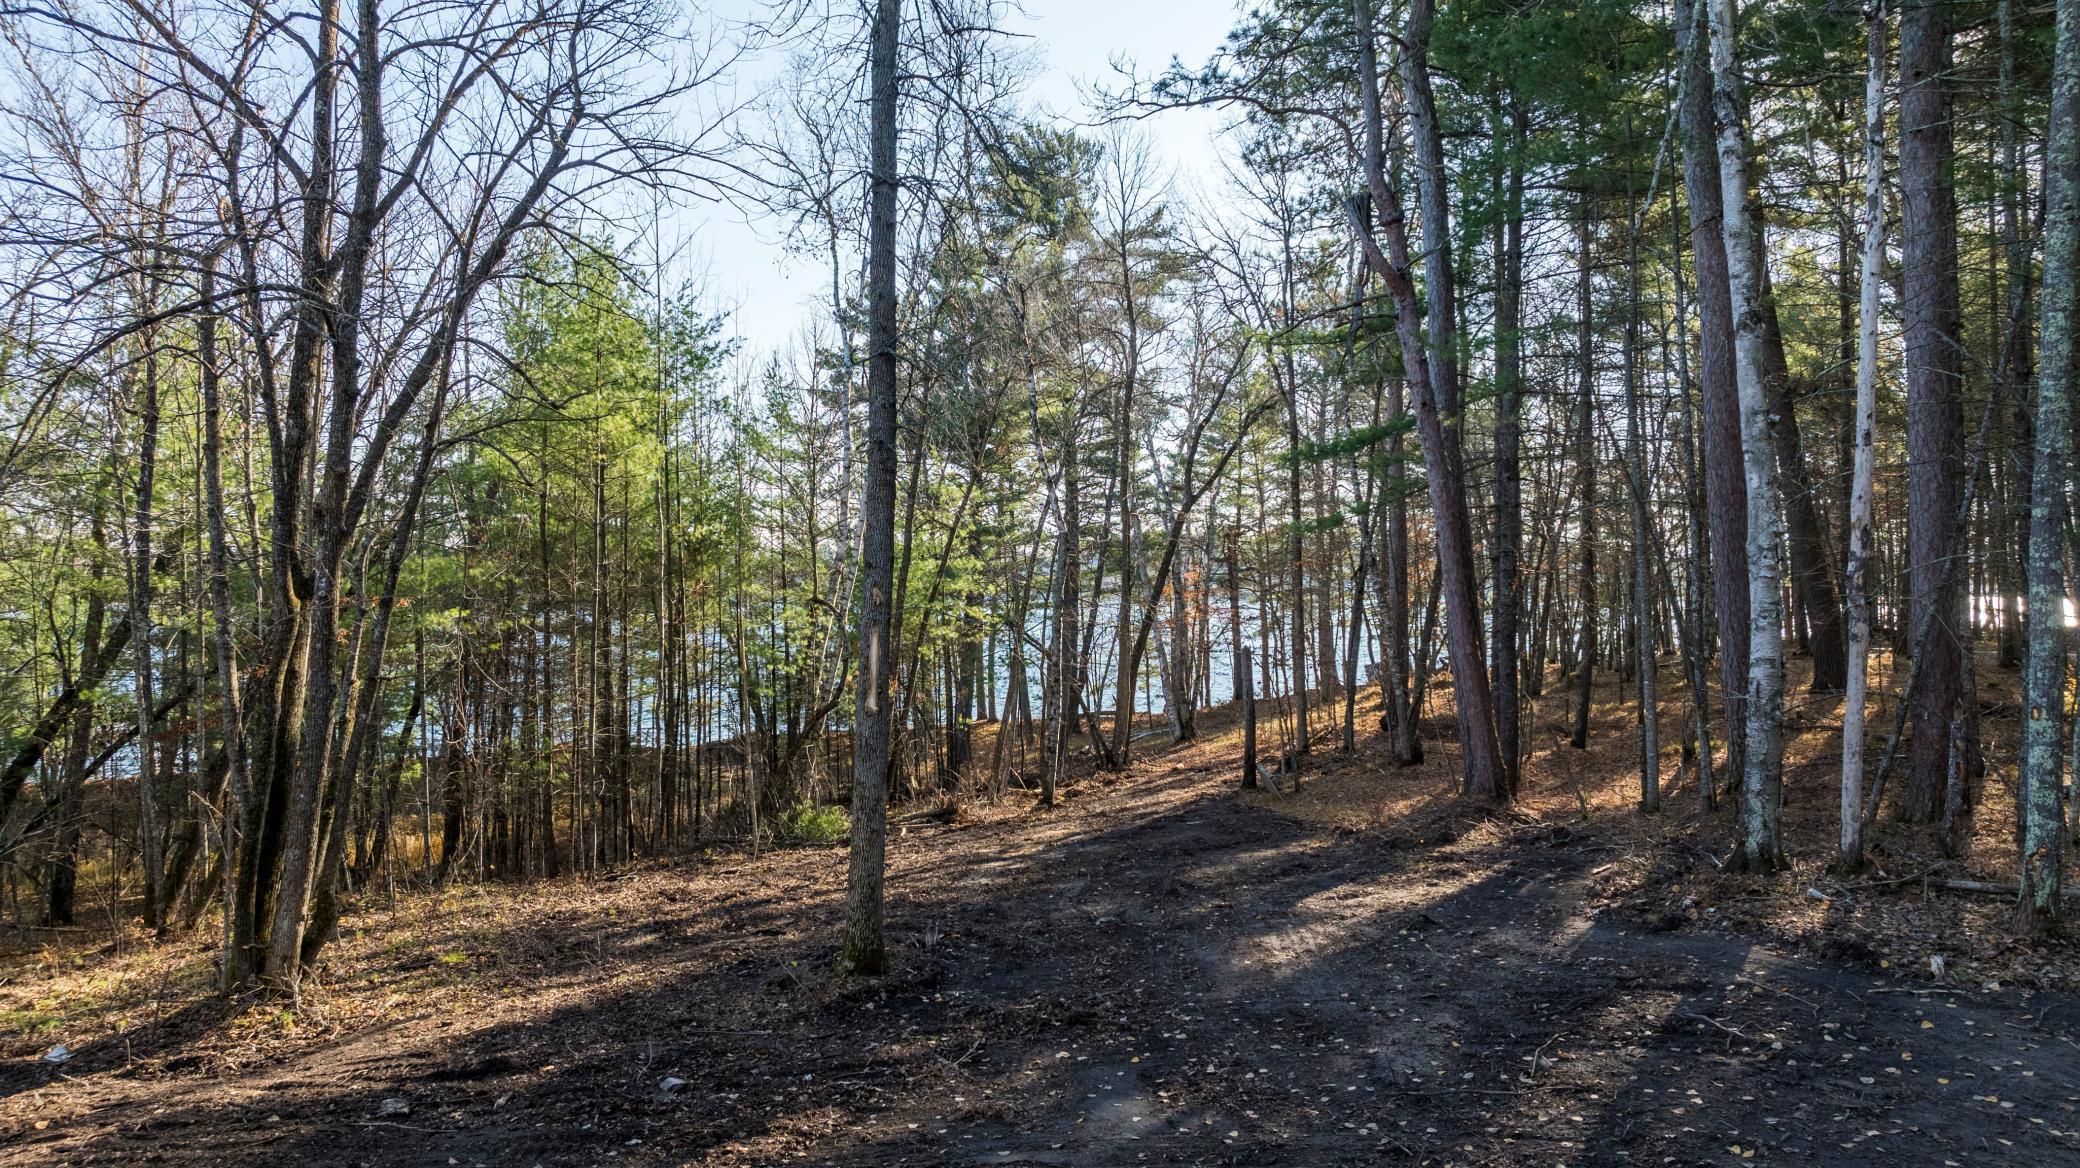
(808, 823)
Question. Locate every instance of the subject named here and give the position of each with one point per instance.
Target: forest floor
(1161, 970)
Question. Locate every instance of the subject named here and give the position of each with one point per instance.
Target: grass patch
(29, 1023)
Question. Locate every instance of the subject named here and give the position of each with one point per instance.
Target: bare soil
(1163, 970)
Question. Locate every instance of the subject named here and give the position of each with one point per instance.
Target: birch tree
(1856, 577)
(1761, 846)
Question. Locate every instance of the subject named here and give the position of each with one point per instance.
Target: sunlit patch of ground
(1367, 968)
(1666, 866)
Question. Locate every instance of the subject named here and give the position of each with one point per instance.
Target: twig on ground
(1733, 1030)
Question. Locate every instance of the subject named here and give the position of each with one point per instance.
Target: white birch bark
(1856, 579)
(1761, 847)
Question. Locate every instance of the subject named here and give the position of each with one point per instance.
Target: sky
(772, 294)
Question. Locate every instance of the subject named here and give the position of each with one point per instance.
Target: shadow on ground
(1159, 973)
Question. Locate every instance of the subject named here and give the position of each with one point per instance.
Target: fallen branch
(1887, 882)
(1991, 889)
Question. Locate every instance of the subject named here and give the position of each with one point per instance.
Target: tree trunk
(223, 640)
(1642, 532)
(1761, 845)
(1486, 776)
(63, 879)
(864, 950)
(141, 634)
(1129, 664)
(2013, 369)
(1693, 583)
(1068, 606)
(1431, 381)
(1247, 692)
(1726, 498)
(1585, 486)
(1399, 718)
(1509, 486)
(1934, 411)
(968, 664)
(1812, 577)
(1296, 557)
(1856, 579)
(2044, 674)
(1180, 693)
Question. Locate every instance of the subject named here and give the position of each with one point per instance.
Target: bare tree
(366, 174)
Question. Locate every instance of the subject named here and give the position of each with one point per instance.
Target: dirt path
(1158, 973)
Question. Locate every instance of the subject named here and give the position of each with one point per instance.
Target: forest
(1521, 615)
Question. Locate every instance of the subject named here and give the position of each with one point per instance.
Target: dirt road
(1157, 973)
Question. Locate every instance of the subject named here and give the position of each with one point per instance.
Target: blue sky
(1076, 41)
